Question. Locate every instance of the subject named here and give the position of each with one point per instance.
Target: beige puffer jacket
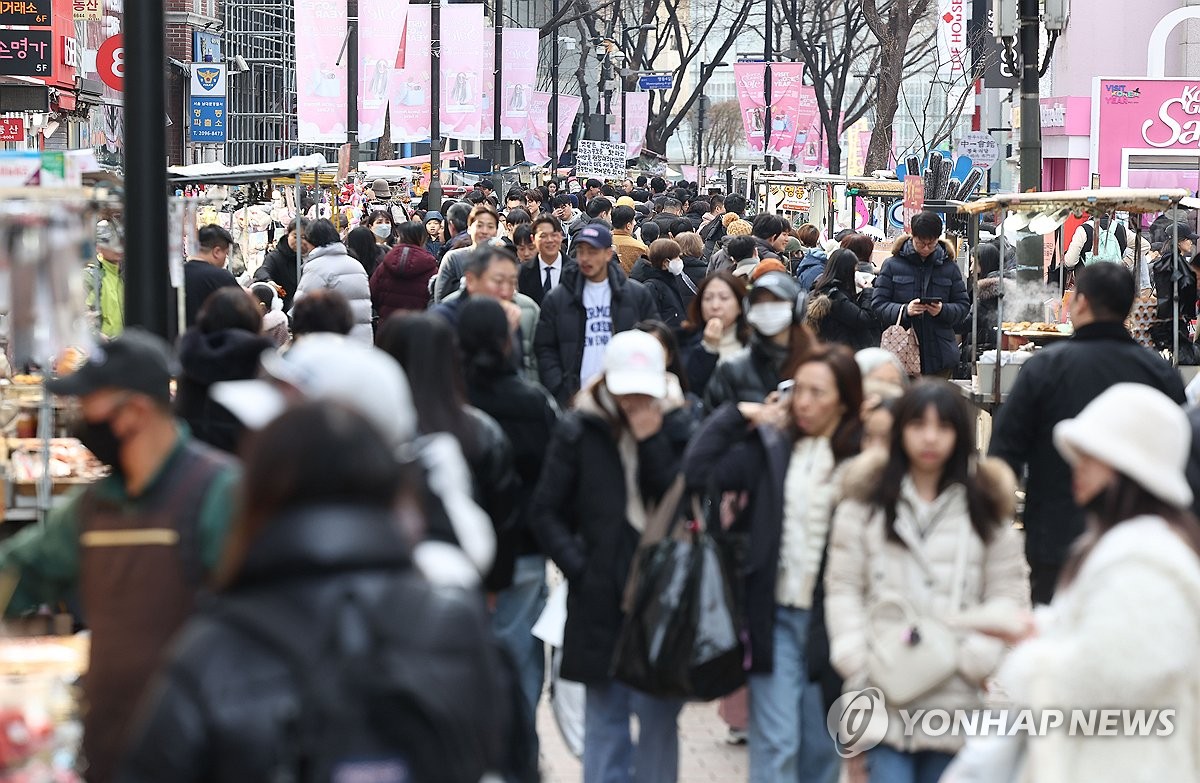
(865, 566)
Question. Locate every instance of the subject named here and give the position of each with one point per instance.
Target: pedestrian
(716, 329)
(482, 225)
(714, 232)
(1175, 270)
(834, 311)
(329, 267)
(514, 220)
(540, 276)
(322, 312)
(224, 345)
(458, 213)
(629, 250)
(695, 268)
(1056, 384)
(812, 266)
(778, 341)
(401, 282)
(720, 259)
(135, 548)
(280, 265)
(771, 235)
(663, 282)
(580, 316)
(1123, 632)
(924, 535)
(787, 454)
(270, 307)
(881, 365)
(106, 280)
(986, 261)
(383, 228)
(206, 272)
(1089, 245)
(864, 247)
(921, 287)
(610, 460)
(566, 210)
(322, 629)
(364, 247)
(598, 210)
(433, 227)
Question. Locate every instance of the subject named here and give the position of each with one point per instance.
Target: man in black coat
(1056, 384)
(206, 272)
(280, 264)
(922, 267)
(582, 314)
(545, 271)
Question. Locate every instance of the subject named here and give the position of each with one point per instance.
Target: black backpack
(405, 688)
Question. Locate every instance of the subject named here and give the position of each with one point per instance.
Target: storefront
(1066, 143)
(1147, 132)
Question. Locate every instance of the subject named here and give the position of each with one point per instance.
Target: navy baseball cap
(596, 235)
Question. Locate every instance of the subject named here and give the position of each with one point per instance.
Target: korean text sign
(207, 120)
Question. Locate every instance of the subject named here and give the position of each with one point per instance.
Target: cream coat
(865, 567)
(1124, 634)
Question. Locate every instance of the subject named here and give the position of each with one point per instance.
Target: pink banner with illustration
(537, 133)
(749, 79)
(1145, 117)
(637, 117)
(807, 149)
(466, 70)
(321, 102)
(787, 83)
(380, 29)
(409, 88)
(519, 80)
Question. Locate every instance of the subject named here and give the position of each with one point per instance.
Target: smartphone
(929, 300)
(785, 389)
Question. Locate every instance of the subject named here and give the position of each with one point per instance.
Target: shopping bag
(902, 343)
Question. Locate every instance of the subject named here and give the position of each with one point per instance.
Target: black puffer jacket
(748, 377)
(559, 339)
(668, 299)
(579, 515)
(497, 488)
(223, 705)
(280, 267)
(205, 359)
(839, 319)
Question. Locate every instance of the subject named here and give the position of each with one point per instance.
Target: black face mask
(99, 438)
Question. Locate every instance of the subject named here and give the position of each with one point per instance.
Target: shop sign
(12, 129)
(981, 148)
(1054, 115)
(953, 51)
(110, 63)
(26, 53)
(70, 51)
(1143, 114)
(914, 199)
(87, 10)
(25, 13)
(207, 120)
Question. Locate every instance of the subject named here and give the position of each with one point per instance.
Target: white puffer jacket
(1124, 634)
(865, 567)
(332, 268)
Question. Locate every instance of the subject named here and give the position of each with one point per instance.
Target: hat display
(137, 361)
(596, 235)
(635, 363)
(1139, 432)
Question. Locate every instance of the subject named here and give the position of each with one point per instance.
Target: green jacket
(46, 557)
(104, 281)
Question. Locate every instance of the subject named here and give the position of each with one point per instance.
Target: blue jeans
(517, 609)
(609, 755)
(788, 737)
(888, 765)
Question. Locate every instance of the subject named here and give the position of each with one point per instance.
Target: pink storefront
(1146, 132)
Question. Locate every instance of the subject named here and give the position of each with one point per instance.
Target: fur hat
(739, 228)
(728, 218)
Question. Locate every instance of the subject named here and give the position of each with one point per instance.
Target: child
(275, 322)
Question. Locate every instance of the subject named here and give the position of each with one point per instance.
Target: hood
(285, 250)
(864, 472)
(227, 355)
(418, 263)
(903, 247)
(819, 306)
(814, 257)
(694, 261)
(765, 250)
(322, 540)
(989, 287)
(329, 251)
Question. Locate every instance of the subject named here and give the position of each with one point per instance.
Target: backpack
(400, 689)
(1105, 246)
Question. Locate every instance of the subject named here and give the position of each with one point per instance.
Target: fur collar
(864, 472)
(1149, 540)
(903, 239)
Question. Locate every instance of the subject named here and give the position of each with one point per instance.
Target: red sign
(110, 63)
(12, 129)
(914, 199)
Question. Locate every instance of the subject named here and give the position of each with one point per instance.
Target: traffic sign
(656, 81)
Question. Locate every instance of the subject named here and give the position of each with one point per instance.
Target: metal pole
(623, 124)
(299, 233)
(147, 278)
(1031, 130)
(999, 319)
(435, 110)
(497, 86)
(553, 120)
(352, 81)
(1175, 278)
(767, 55)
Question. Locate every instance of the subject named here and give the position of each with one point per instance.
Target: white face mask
(770, 318)
(675, 266)
(382, 230)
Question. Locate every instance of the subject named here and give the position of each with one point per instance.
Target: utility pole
(435, 100)
(1031, 130)
(147, 279)
(768, 55)
(497, 85)
(553, 120)
(352, 81)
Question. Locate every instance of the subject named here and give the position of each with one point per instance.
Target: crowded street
(576, 391)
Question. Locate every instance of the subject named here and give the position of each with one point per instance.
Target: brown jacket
(629, 250)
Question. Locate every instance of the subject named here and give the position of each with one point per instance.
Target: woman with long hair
(922, 538)
(1123, 631)
(382, 227)
(663, 281)
(715, 330)
(787, 454)
(834, 310)
(363, 245)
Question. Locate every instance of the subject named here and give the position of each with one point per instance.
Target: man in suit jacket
(542, 274)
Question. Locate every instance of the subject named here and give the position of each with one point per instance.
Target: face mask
(382, 230)
(675, 266)
(99, 438)
(770, 318)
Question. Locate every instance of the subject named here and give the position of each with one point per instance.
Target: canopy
(220, 174)
(1136, 200)
(417, 160)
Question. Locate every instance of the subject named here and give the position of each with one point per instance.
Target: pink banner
(519, 80)
(381, 26)
(321, 103)
(537, 133)
(750, 79)
(466, 75)
(409, 89)
(786, 117)
(637, 110)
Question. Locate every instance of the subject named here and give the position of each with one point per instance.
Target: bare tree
(723, 134)
(893, 23)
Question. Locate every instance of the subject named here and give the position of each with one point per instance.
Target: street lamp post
(497, 84)
(553, 119)
(435, 100)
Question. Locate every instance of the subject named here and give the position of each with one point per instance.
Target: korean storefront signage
(207, 120)
(26, 13)
(1150, 116)
(26, 52)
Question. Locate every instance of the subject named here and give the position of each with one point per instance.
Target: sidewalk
(703, 755)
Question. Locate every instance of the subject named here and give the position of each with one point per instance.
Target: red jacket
(401, 281)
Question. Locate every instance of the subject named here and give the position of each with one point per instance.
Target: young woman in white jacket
(922, 536)
(1123, 631)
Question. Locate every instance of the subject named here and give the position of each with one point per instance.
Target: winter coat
(985, 309)
(1168, 268)
(696, 268)
(530, 279)
(205, 359)
(401, 281)
(1125, 634)
(451, 271)
(496, 487)
(699, 361)
(865, 567)
(1055, 384)
(839, 319)
(811, 267)
(905, 277)
(200, 281)
(559, 339)
(332, 268)
(665, 288)
(581, 518)
(276, 328)
(523, 352)
(220, 712)
(727, 456)
(279, 267)
(106, 295)
(748, 377)
(629, 250)
(641, 270)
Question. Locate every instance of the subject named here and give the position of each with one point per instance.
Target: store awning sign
(208, 120)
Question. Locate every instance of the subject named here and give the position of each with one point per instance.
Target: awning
(220, 174)
(417, 160)
(1136, 200)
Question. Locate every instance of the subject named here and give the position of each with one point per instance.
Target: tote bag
(902, 343)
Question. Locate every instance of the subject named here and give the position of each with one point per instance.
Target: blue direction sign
(656, 81)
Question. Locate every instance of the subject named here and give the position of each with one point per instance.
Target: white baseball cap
(327, 367)
(635, 363)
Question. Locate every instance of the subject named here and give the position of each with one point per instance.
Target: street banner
(380, 29)
(858, 141)
(600, 159)
(914, 199)
(207, 116)
(953, 52)
(786, 118)
(320, 81)
(409, 86)
(537, 134)
(518, 80)
(750, 79)
(637, 117)
(465, 73)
